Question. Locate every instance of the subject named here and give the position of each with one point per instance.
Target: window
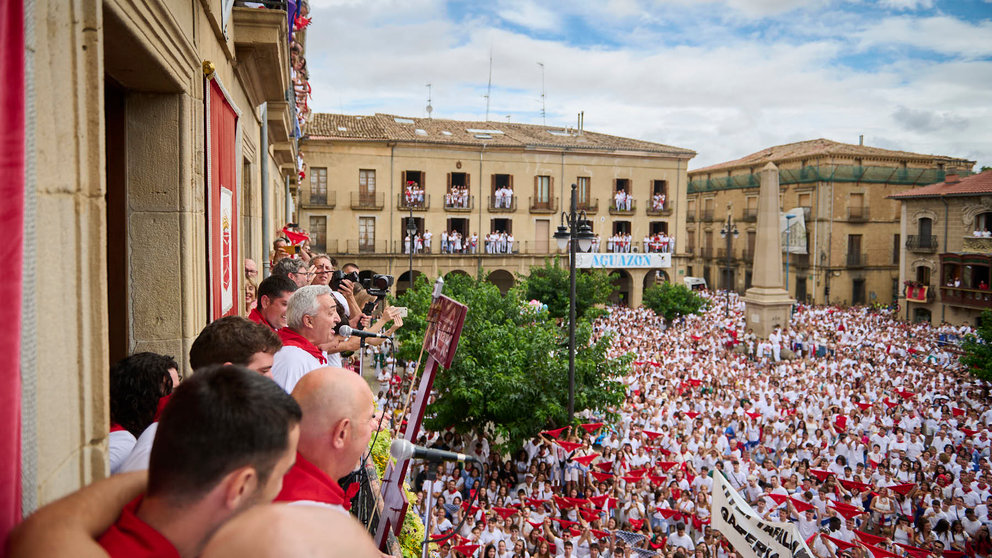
(542, 190)
(621, 184)
(659, 187)
(691, 243)
(983, 222)
(621, 227)
(923, 275)
(318, 185)
(318, 233)
(366, 181)
(895, 248)
(366, 234)
(658, 227)
(752, 238)
(854, 256)
(583, 190)
(857, 291)
(458, 180)
(415, 176)
(925, 228)
(501, 225)
(805, 200)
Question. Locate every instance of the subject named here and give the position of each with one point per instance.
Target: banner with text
(751, 536)
(622, 261)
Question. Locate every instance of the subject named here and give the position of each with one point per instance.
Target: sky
(724, 78)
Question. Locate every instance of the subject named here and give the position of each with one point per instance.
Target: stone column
(768, 304)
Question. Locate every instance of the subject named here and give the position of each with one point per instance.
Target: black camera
(338, 276)
(378, 285)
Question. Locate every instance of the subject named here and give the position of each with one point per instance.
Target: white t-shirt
(121, 443)
(137, 460)
(292, 363)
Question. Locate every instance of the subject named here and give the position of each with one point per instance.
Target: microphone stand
(429, 480)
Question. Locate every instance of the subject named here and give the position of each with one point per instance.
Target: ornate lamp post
(729, 232)
(574, 230)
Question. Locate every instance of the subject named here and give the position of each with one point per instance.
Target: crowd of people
(658, 201)
(503, 198)
(454, 243)
(862, 430)
(413, 194)
(623, 201)
(458, 198)
(659, 243)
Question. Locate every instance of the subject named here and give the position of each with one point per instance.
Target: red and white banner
(11, 250)
(222, 188)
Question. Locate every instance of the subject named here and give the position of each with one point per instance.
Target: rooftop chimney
(861, 139)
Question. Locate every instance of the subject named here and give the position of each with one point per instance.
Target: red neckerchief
(304, 481)
(257, 317)
(130, 537)
(114, 427)
(292, 339)
(162, 402)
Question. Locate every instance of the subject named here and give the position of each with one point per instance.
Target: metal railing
(925, 243)
(975, 298)
(589, 206)
(374, 201)
(750, 214)
(268, 4)
(631, 211)
(415, 204)
(706, 252)
(493, 208)
(459, 204)
(859, 214)
(326, 200)
(707, 215)
(665, 209)
(549, 205)
(857, 259)
(690, 217)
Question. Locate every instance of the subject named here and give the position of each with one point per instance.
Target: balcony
(706, 252)
(691, 217)
(707, 215)
(543, 206)
(665, 210)
(261, 47)
(591, 207)
(924, 244)
(969, 298)
(631, 211)
(977, 245)
(857, 259)
(406, 205)
(747, 255)
(857, 214)
(373, 202)
(459, 205)
(798, 260)
(320, 201)
(501, 207)
(721, 254)
(750, 214)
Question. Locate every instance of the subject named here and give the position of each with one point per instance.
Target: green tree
(549, 284)
(509, 376)
(672, 300)
(977, 349)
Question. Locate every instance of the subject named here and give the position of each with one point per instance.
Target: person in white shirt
(311, 317)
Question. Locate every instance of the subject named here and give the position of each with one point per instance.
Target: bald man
(337, 425)
(276, 530)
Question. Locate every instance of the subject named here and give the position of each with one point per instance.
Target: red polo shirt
(131, 537)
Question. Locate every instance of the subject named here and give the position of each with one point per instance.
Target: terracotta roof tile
(975, 185)
(823, 148)
(387, 127)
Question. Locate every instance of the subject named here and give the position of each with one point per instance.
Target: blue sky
(725, 77)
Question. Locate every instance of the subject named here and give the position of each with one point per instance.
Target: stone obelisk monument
(768, 304)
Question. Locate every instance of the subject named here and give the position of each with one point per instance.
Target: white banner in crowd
(792, 226)
(751, 536)
(620, 261)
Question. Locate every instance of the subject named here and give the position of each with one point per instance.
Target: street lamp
(729, 232)
(788, 246)
(411, 230)
(574, 230)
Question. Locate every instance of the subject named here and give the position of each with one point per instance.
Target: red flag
(854, 485)
(563, 503)
(880, 552)
(847, 512)
(666, 465)
(586, 459)
(778, 498)
(639, 472)
(592, 426)
(889, 404)
(868, 538)
(504, 512)
(440, 535)
(957, 413)
(864, 406)
(968, 432)
(294, 237)
(600, 533)
(569, 446)
(601, 477)
(556, 432)
(658, 480)
(466, 549)
(636, 523)
(843, 545)
(692, 414)
(651, 434)
(590, 515)
(800, 505)
(903, 489)
(755, 416)
(605, 466)
(631, 478)
(580, 502)
(598, 501)
(906, 394)
(820, 474)
(667, 513)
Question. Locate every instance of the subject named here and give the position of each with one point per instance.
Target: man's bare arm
(71, 525)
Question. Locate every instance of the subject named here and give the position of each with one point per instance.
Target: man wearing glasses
(295, 270)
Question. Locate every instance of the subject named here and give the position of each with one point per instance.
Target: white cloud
(908, 4)
(529, 14)
(723, 95)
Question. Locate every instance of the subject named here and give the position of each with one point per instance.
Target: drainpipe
(480, 246)
(943, 307)
(289, 202)
(263, 142)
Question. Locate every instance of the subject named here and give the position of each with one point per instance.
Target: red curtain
(12, 233)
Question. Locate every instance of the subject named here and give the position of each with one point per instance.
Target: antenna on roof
(489, 88)
(430, 109)
(544, 118)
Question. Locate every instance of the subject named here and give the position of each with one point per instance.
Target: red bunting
(556, 432)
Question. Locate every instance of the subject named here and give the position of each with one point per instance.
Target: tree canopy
(672, 300)
(549, 284)
(509, 376)
(977, 349)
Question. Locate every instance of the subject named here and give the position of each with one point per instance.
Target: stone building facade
(853, 237)
(354, 201)
(947, 252)
(118, 197)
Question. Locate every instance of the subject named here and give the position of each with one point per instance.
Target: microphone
(348, 331)
(403, 449)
